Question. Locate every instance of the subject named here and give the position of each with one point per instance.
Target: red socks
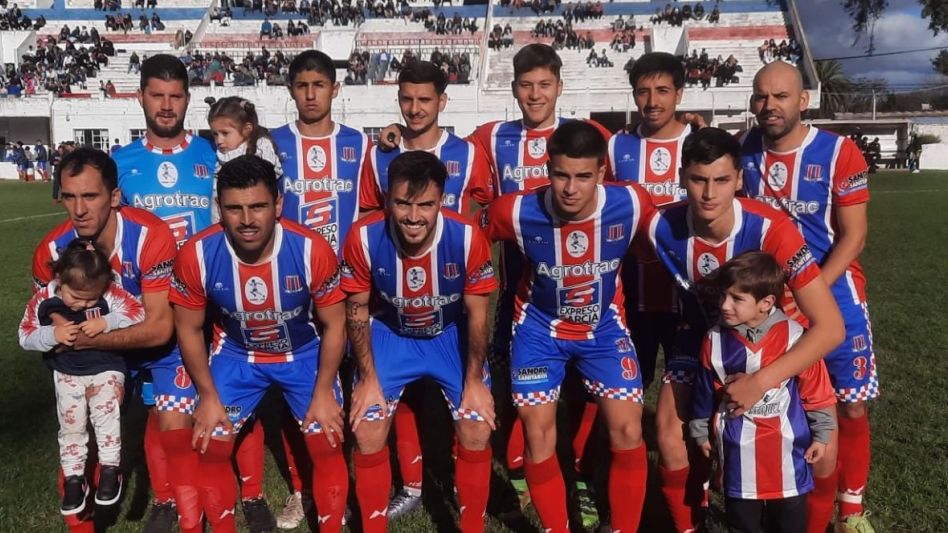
(820, 502)
(408, 446)
(218, 486)
(853, 464)
(627, 475)
(549, 493)
(330, 482)
(249, 459)
(156, 460)
(182, 462)
(373, 479)
(674, 483)
(472, 478)
(515, 446)
(590, 411)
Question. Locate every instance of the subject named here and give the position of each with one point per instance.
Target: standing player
(693, 238)
(821, 180)
(141, 250)
(264, 279)
(429, 271)
(421, 98)
(569, 307)
(170, 173)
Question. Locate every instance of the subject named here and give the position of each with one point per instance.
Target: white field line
(43, 215)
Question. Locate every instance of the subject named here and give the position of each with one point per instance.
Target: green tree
(834, 89)
(940, 63)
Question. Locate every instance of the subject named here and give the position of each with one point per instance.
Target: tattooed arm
(367, 392)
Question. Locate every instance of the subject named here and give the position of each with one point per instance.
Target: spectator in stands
(110, 89)
(266, 29)
(715, 15)
(156, 23)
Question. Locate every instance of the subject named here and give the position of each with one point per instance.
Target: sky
(829, 33)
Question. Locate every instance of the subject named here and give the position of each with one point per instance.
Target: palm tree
(835, 87)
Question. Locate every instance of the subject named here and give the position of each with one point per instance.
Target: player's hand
(477, 397)
(208, 414)
(366, 394)
(390, 137)
(741, 392)
(93, 327)
(82, 341)
(815, 452)
(327, 413)
(695, 119)
(66, 333)
(705, 448)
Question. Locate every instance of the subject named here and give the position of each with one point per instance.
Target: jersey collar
(168, 151)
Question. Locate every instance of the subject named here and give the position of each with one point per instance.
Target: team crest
(167, 174)
(93, 313)
(255, 290)
(577, 243)
(451, 271)
(707, 263)
(813, 173)
(349, 154)
(292, 283)
(536, 147)
(623, 345)
(128, 269)
(777, 176)
(616, 233)
(453, 168)
(316, 158)
(200, 171)
(859, 343)
(416, 278)
(660, 161)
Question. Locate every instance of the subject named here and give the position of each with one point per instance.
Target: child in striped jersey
(764, 454)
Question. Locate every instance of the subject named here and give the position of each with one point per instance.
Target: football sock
(582, 433)
(515, 445)
(674, 483)
(549, 493)
(330, 482)
(373, 479)
(408, 446)
(156, 460)
(472, 478)
(218, 486)
(627, 476)
(182, 463)
(853, 464)
(820, 503)
(249, 459)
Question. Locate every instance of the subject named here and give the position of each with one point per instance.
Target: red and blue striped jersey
(808, 183)
(571, 280)
(468, 175)
(652, 163)
(176, 184)
(321, 179)
(266, 309)
(761, 452)
(142, 257)
(418, 296)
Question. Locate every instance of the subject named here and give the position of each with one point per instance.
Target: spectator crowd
(57, 66)
(790, 52)
(365, 66)
(674, 15)
(701, 69)
(12, 18)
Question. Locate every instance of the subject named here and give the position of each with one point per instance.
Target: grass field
(906, 261)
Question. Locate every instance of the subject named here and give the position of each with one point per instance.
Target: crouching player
(765, 454)
(430, 273)
(569, 307)
(263, 279)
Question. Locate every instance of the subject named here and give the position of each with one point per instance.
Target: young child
(89, 383)
(764, 454)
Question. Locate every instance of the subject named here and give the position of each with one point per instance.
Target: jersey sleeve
(325, 271)
(785, 243)
(32, 335)
(355, 264)
(124, 309)
(42, 267)
(482, 186)
(370, 196)
(816, 391)
(850, 176)
(702, 392)
(646, 206)
(481, 138)
(480, 271)
(157, 259)
(187, 284)
(496, 220)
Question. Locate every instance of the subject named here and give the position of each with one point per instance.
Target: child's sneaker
(75, 492)
(110, 486)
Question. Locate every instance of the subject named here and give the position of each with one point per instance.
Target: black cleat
(161, 518)
(110, 486)
(75, 492)
(258, 516)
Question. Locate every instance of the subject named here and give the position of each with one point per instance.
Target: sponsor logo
(292, 283)
(536, 147)
(777, 175)
(587, 268)
(321, 217)
(486, 271)
(449, 199)
(451, 271)
(175, 199)
(793, 207)
(856, 181)
(381, 272)
(660, 161)
(577, 243)
(627, 157)
(416, 278)
(623, 345)
(265, 315)
(181, 226)
(664, 188)
(629, 368)
(218, 287)
(707, 263)
(424, 323)
(316, 158)
(813, 173)
(329, 285)
(425, 300)
(800, 260)
(519, 174)
(616, 232)
(255, 290)
(774, 403)
(303, 186)
(160, 270)
(179, 286)
(274, 338)
(167, 174)
(580, 304)
(532, 374)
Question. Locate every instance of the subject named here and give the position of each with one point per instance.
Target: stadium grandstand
(72, 65)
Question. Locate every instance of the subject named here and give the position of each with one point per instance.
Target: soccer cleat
(109, 489)
(858, 523)
(587, 506)
(292, 513)
(75, 491)
(522, 490)
(258, 516)
(403, 502)
(162, 517)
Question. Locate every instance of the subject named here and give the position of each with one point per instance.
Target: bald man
(821, 180)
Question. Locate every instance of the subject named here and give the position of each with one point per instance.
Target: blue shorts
(171, 388)
(682, 363)
(852, 365)
(400, 360)
(241, 385)
(607, 363)
(42, 165)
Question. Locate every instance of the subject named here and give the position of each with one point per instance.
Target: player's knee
(371, 437)
(852, 410)
(671, 444)
(539, 435)
(473, 435)
(625, 435)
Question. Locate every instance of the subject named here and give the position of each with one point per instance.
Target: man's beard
(160, 131)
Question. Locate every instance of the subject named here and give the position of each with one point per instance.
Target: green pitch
(906, 262)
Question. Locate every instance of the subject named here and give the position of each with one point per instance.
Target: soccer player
(421, 97)
(141, 250)
(693, 238)
(170, 173)
(569, 308)
(264, 279)
(429, 272)
(821, 180)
